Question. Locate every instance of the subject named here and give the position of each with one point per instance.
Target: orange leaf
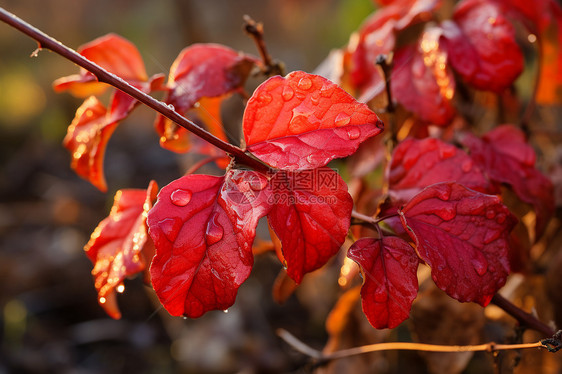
(116, 245)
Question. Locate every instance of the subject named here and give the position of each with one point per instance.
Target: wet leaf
(503, 153)
(417, 164)
(203, 228)
(463, 236)
(421, 80)
(310, 213)
(481, 45)
(303, 121)
(389, 267)
(116, 245)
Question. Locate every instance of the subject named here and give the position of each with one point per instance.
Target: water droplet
(257, 183)
(180, 197)
(214, 231)
(225, 311)
(183, 317)
(315, 98)
(491, 235)
(490, 214)
(446, 213)
(480, 264)
(327, 90)
(447, 151)
(299, 124)
(501, 218)
(353, 133)
(287, 93)
(171, 107)
(342, 119)
(102, 300)
(120, 288)
(170, 227)
(265, 98)
(305, 83)
(380, 295)
(444, 192)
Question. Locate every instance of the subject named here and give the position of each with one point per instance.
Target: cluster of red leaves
(443, 204)
(478, 43)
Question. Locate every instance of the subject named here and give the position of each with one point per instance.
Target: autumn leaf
(201, 71)
(117, 244)
(377, 36)
(89, 132)
(114, 54)
(481, 45)
(462, 235)
(503, 153)
(303, 121)
(310, 213)
(203, 228)
(421, 80)
(416, 164)
(390, 284)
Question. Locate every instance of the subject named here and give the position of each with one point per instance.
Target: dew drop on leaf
(257, 184)
(480, 264)
(342, 119)
(265, 98)
(500, 218)
(287, 93)
(214, 231)
(353, 133)
(327, 90)
(315, 98)
(169, 227)
(180, 197)
(446, 213)
(304, 84)
(380, 295)
(490, 214)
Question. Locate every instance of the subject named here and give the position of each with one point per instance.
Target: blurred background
(50, 319)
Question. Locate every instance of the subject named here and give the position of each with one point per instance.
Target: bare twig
(524, 318)
(48, 42)
(255, 30)
(403, 346)
(386, 67)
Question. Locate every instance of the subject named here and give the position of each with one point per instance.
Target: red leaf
(377, 36)
(463, 236)
(389, 267)
(421, 80)
(114, 54)
(86, 140)
(505, 156)
(201, 71)
(416, 164)
(116, 244)
(203, 228)
(303, 121)
(310, 214)
(481, 45)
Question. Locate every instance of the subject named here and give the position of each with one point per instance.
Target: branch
(48, 42)
(255, 30)
(524, 318)
(406, 346)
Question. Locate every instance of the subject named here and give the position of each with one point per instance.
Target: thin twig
(386, 67)
(524, 318)
(255, 30)
(401, 346)
(48, 42)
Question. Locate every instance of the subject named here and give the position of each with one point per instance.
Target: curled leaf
(421, 80)
(390, 283)
(503, 153)
(481, 45)
(462, 235)
(310, 213)
(303, 121)
(116, 246)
